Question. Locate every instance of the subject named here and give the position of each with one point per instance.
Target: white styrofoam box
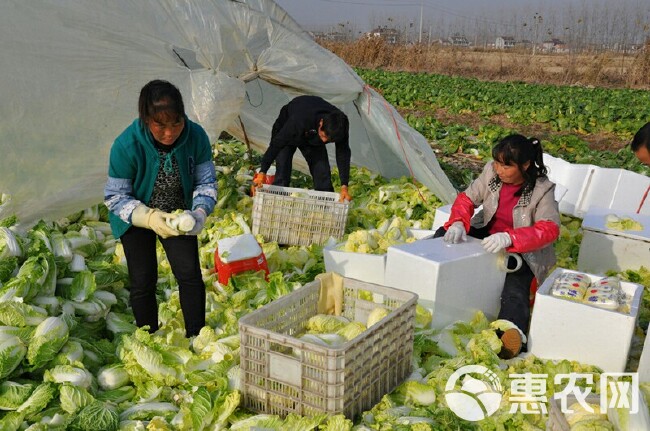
(441, 216)
(603, 249)
(565, 329)
(557, 170)
(644, 362)
(443, 213)
(560, 191)
(362, 266)
(616, 189)
(421, 233)
(452, 280)
(576, 178)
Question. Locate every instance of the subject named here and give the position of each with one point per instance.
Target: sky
(358, 16)
(366, 13)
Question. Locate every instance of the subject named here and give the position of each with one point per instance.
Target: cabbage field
(72, 358)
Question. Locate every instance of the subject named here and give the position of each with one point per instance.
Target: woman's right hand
(456, 233)
(154, 219)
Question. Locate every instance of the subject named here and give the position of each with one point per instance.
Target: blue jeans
(183, 255)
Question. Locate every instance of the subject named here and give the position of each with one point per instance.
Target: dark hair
(518, 149)
(335, 125)
(158, 97)
(641, 138)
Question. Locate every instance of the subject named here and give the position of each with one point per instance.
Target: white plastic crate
(362, 266)
(453, 281)
(347, 380)
(564, 329)
(294, 216)
(603, 249)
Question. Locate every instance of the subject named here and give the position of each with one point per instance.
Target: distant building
(554, 45)
(334, 36)
(389, 35)
(504, 42)
(458, 40)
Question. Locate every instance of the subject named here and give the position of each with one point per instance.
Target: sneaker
(512, 342)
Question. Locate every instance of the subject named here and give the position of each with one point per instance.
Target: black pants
(315, 156)
(183, 255)
(515, 296)
(317, 160)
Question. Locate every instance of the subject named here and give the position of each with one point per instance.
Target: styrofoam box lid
(238, 247)
(595, 220)
(631, 289)
(438, 250)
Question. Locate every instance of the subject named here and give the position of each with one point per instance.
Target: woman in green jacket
(161, 163)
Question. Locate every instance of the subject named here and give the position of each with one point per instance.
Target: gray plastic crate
(280, 374)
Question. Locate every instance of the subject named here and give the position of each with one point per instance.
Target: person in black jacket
(308, 123)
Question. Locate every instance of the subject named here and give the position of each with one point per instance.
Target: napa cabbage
(74, 398)
(69, 374)
(98, 416)
(326, 323)
(49, 337)
(113, 376)
(376, 315)
(14, 394)
(12, 352)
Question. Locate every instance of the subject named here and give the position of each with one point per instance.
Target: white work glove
(154, 219)
(200, 216)
(456, 233)
(496, 242)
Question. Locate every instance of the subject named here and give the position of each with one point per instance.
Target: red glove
(345, 195)
(535, 237)
(258, 181)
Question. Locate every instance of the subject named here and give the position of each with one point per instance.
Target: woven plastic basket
(293, 216)
(280, 374)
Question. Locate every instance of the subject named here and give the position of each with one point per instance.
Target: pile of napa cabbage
(72, 358)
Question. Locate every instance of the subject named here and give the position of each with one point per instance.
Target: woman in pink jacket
(519, 215)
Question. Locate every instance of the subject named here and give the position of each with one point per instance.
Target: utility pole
(421, 12)
(537, 18)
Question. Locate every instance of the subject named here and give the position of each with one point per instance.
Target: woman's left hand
(200, 216)
(496, 242)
